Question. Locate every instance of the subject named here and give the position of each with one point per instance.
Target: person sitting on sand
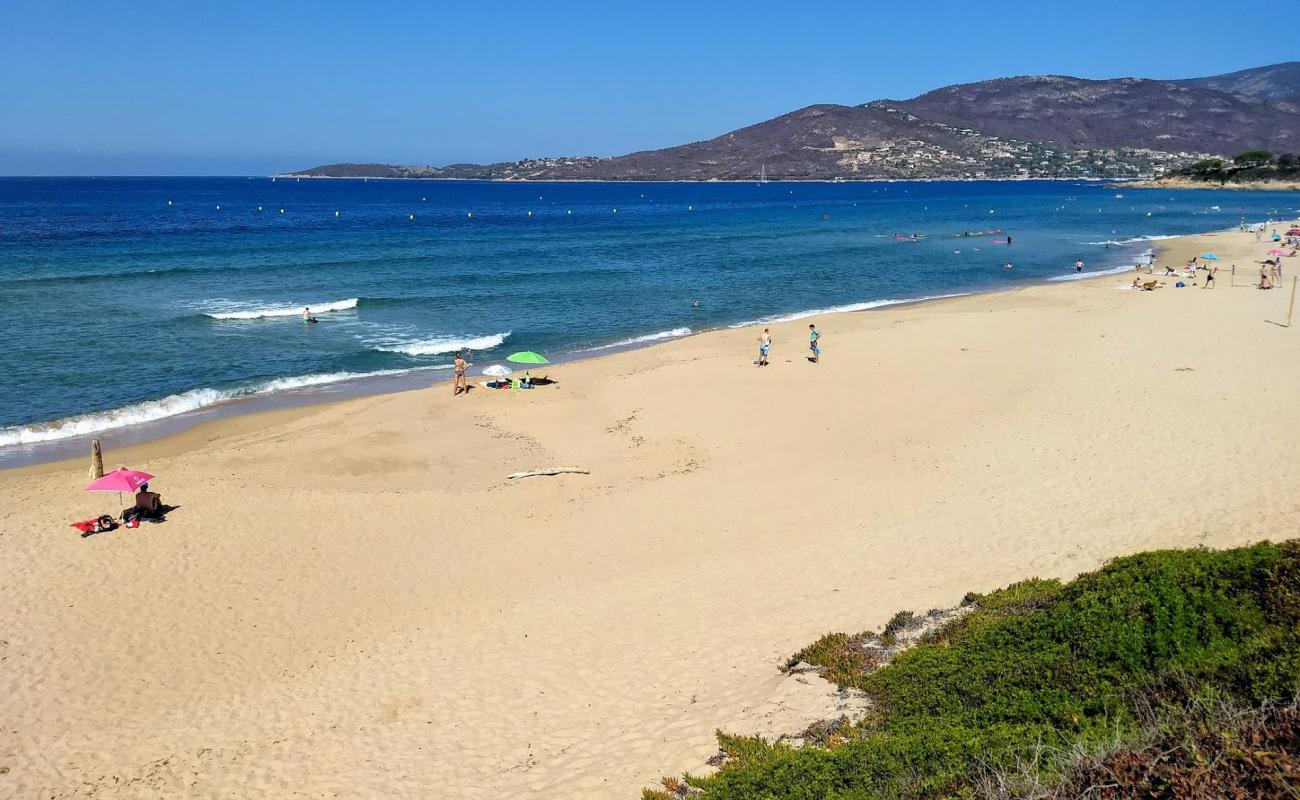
(148, 502)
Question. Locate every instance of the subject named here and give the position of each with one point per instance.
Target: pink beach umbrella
(1276, 252)
(120, 480)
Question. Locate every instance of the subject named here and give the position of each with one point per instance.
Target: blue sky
(230, 87)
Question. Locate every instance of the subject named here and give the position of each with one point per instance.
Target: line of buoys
(470, 214)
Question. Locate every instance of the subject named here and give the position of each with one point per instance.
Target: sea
(133, 307)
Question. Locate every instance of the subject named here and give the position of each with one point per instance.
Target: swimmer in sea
(1007, 265)
(307, 318)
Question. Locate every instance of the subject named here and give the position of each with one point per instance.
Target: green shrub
(842, 657)
(898, 622)
(1042, 664)
(1253, 158)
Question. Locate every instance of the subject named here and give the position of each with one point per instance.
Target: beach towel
(98, 525)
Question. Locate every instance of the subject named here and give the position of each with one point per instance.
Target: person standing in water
(459, 385)
(307, 318)
(1078, 265)
(814, 336)
(764, 346)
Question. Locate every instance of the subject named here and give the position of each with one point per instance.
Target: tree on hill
(1253, 158)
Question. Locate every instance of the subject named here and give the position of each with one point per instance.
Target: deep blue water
(113, 290)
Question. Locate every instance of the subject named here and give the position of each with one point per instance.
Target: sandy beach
(351, 600)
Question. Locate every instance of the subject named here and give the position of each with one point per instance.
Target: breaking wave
(870, 304)
(675, 333)
(444, 344)
(170, 406)
(285, 311)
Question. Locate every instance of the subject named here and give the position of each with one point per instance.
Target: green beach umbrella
(527, 357)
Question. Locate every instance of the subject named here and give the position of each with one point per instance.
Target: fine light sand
(351, 601)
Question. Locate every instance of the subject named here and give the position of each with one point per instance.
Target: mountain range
(1044, 126)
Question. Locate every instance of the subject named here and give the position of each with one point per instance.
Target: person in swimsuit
(1078, 265)
(764, 346)
(1209, 277)
(813, 336)
(307, 318)
(459, 385)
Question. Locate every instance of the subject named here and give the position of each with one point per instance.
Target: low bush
(1045, 668)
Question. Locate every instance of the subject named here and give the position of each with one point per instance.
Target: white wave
(675, 333)
(1132, 240)
(1078, 276)
(445, 344)
(841, 309)
(173, 405)
(286, 311)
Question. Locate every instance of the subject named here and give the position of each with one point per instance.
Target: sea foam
(286, 311)
(791, 317)
(173, 405)
(675, 333)
(444, 344)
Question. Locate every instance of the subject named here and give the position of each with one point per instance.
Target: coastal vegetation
(1252, 166)
(1164, 674)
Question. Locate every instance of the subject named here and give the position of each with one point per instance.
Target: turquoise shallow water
(128, 300)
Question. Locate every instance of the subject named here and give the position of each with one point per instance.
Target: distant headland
(1045, 126)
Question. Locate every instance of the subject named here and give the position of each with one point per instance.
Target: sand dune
(352, 601)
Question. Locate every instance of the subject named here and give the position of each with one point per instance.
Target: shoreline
(347, 593)
(20, 455)
(1184, 183)
(287, 404)
(686, 180)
